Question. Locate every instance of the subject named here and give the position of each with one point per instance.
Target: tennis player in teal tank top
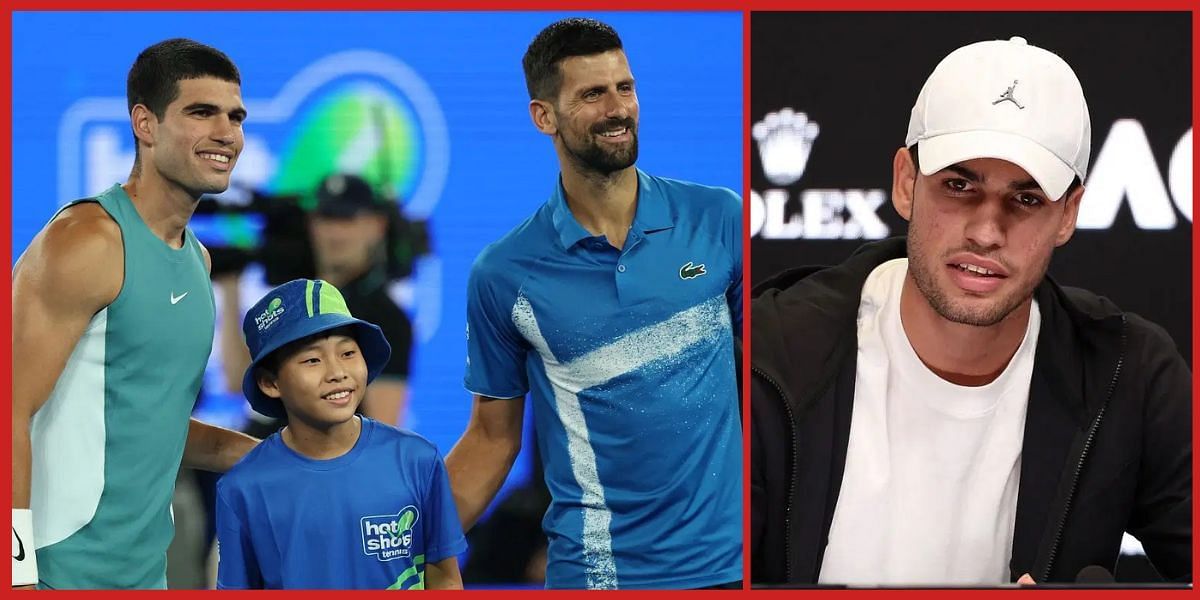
(113, 316)
(146, 351)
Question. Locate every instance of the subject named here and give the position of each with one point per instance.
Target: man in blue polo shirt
(616, 305)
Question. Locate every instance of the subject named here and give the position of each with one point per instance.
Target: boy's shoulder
(257, 460)
(407, 443)
(268, 464)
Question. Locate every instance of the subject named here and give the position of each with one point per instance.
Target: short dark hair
(1075, 183)
(270, 363)
(563, 39)
(154, 78)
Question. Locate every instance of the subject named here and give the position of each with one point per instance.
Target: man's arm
(443, 575)
(212, 448)
(480, 461)
(733, 236)
(71, 270)
(1162, 516)
(386, 399)
(235, 356)
(208, 447)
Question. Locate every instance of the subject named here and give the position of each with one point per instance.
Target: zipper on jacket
(1087, 446)
(787, 511)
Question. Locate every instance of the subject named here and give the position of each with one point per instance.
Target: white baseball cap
(1006, 100)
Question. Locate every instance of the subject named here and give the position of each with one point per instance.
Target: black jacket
(1107, 445)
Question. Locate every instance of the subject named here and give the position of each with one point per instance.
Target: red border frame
(745, 7)
(747, 148)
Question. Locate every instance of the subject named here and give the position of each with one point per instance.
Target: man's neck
(321, 442)
(340, 275)
(962, 354)
(603, 204)
(165, 208)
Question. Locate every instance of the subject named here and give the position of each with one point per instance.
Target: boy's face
(321, 382)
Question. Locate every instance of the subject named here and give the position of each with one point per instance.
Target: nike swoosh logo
(20, 555)
(175, 300)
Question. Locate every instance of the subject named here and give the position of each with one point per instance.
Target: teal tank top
(108, 442)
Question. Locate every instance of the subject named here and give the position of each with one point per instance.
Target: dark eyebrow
(1024, 185)
(965, 173)
(237, 112)
(200, 106)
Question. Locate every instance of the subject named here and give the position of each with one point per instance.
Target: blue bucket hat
(296, 310)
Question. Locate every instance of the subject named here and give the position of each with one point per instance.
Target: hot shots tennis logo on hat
(270, 315)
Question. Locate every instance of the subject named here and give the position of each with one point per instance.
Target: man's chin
(614, 162)
(608, 158)
(974, 311)
(210, 187)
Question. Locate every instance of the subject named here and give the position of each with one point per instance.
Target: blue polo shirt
(628, 355)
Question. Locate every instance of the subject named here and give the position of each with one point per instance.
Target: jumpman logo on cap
(1008, 95)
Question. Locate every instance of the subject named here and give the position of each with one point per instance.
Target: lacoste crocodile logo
(688, 271)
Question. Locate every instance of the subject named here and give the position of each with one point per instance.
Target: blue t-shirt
(369, 519)
(629, 357)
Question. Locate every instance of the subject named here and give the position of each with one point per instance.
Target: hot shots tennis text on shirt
(389, 536)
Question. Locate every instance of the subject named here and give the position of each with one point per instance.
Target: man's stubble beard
(925, 278)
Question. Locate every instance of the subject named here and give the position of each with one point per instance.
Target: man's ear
(904, 179)
(1066, 227)
(144, 124)
(543, 116)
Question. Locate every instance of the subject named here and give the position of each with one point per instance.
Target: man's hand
(1026, 579)
(480, 461)
(443, 575)
(216, 449)
(386, 400)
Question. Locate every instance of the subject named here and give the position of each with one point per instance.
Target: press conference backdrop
(434, 104)
(838, 89)
(821, 175)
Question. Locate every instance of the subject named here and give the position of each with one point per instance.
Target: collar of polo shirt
(652, 213)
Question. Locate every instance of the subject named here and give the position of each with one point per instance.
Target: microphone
(1095, 575)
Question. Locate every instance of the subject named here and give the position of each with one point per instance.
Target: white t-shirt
(929, 494)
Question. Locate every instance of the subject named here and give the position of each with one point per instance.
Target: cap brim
(1051, 174)
(375, 348)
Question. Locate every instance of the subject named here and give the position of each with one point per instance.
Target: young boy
(334, 500)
